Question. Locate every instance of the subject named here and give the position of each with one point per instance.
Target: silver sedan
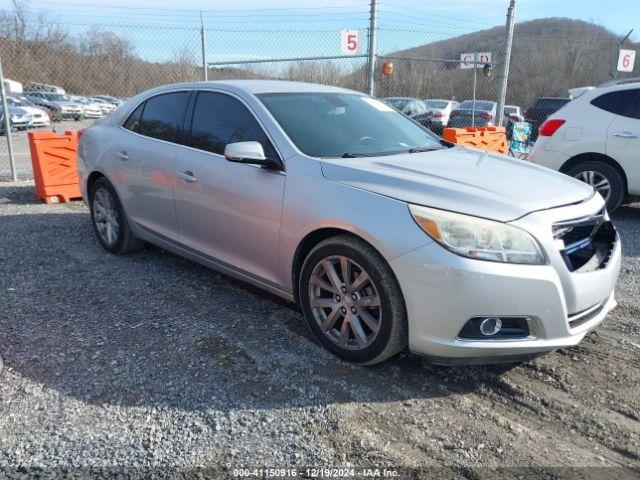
(387, 236)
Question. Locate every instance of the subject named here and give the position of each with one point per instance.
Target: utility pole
(615, 57)
(7, 127)
(475, 83)
(511, 14)
(371, 67)
(205, 67)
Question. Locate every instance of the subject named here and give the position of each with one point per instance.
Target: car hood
(461, 180)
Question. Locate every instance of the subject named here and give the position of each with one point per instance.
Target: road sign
(466, 59)
(626, 60)
(349, 42)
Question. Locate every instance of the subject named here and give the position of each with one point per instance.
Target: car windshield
(436, 103)
(480, 105)
(398, 103)
(346, 125)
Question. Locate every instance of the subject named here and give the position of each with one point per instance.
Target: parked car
(60, 105)
(596, 138)
(440, 110)
(464, 116)
(514, 113)
(19, 119)
(107, 107)
(89, 109)
(386, 235)
(109, 99)
(39, 116)
(540, 111)
(411, 107)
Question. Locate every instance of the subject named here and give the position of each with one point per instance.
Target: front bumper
(443, 291)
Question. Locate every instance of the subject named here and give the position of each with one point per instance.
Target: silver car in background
(387, 236)
(478, 113)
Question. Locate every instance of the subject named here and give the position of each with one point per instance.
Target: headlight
(478, 238)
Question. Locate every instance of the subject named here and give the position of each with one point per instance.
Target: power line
(431, 14)
(195, 11)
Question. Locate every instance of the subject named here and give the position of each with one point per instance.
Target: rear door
(144, 156)
(623, 134)
(229, 212)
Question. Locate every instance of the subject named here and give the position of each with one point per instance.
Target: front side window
(622, 102)
(346, 124)
(163, 116)
(220, 119)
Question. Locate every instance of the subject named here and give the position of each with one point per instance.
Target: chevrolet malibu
(387, 236)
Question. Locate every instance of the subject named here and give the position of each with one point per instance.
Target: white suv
(596, 138)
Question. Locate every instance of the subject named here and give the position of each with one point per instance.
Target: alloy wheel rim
(105, 216)
(345, 302)
(597, 181)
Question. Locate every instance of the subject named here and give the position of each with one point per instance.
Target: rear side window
(220, 119)
(133, 122)
(622, 102)
(163, 115)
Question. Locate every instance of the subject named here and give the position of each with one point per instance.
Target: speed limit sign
(349, 42)
(626, 60)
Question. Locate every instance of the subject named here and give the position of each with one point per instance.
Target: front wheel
(352, 301)
(604, 178)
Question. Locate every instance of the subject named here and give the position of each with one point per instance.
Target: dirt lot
(154, 363)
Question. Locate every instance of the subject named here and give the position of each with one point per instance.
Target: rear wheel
(604, 178)
(352, 301)
(109, 221)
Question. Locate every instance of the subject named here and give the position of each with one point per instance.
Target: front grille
(586, 243)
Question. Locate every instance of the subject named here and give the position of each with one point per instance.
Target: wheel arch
(309, 242)
(91, 179)
(597, 157)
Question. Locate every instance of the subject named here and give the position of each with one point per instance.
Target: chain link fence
(107, 56)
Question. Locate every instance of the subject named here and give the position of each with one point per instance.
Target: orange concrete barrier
(55, 166)
(493, 139)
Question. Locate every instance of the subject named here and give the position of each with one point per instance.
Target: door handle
(625, 135)
(122, 155)
(187, 176)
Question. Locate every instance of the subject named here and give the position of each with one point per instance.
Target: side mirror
(248, 152)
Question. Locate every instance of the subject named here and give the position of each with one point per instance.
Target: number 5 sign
(349, 42)
(626, 60)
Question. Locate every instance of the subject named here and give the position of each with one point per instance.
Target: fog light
(490, 326)
(498, 328)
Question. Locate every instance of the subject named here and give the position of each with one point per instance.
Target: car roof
(265, 86)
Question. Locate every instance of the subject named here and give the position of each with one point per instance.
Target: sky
(254, 29)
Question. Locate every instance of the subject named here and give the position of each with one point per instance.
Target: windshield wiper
(353, 155)
(423, 149)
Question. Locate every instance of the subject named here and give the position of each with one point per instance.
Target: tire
(109, 221)
(389, 318)
(592, 171)
(77, 118)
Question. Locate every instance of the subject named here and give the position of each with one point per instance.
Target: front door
(623, 137)
(227, 211)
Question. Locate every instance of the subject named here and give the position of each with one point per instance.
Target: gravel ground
(155, 364)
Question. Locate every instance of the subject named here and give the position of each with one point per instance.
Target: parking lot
(151, 361)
